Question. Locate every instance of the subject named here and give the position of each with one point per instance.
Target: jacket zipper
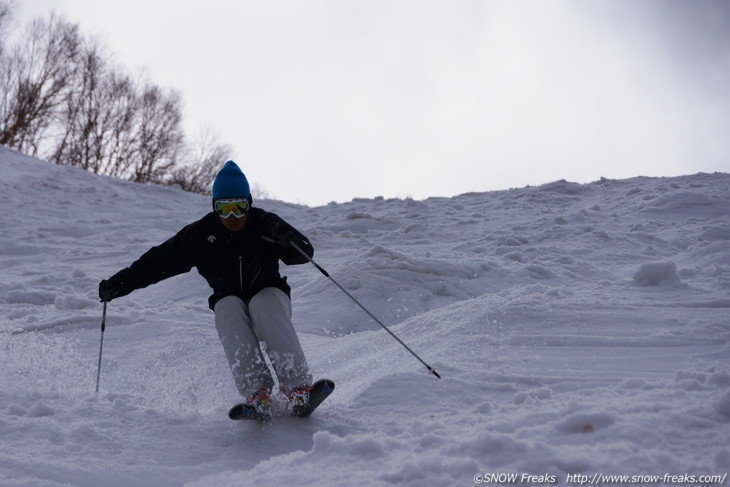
(240, 271)
(240, 274)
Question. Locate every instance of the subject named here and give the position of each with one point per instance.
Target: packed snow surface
(579, 330)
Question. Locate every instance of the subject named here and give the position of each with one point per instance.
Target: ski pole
(101, 347)
(326, 274)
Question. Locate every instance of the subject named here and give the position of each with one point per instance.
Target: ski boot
(298, 399)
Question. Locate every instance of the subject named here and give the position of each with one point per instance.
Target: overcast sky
(331, 100)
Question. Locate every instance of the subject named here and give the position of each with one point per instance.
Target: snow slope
(579, 329)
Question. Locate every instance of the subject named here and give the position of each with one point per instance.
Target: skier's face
(234, 224)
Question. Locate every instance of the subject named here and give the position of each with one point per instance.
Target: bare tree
(61, 94)
(80, 140)
(158, 137)
(112, 126)
(121, 103)
(204, 158)
(6, 17)
(97, 121)
(37, 73)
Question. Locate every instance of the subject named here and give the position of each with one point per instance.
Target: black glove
(109, 290)
(282, 234)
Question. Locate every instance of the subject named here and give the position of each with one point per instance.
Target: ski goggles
(234, 206)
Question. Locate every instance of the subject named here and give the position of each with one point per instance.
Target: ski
(317, 394)
(247, 411)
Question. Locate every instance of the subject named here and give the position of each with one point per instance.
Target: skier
(237, 249)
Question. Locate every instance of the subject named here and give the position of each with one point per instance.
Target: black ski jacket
(238, 263)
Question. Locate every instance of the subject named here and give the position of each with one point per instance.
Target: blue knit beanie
(230, 183)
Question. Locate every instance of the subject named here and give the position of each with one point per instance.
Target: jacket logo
(211, 238)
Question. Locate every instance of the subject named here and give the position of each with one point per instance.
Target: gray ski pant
(263, 325)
